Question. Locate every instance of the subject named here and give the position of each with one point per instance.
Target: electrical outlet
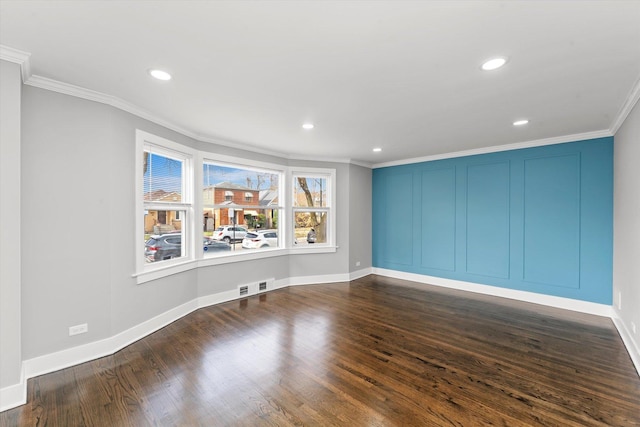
(357, 263)
(78, 329)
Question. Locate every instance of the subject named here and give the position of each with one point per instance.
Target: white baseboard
(360, 273)
(548, 300)
(558, 302)
(83, 353)
(317, 280)
(627, 338)
(16, 395)
(330, 278)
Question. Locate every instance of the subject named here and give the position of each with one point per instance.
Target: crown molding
(497, 148)
(23, 59)
(330, 160)
(18, 57)
(242, 146)
(629, 103)
(92, 95)
(361, 163)
(67, 89)
(13, 55)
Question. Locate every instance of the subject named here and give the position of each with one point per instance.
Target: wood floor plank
(375, 351)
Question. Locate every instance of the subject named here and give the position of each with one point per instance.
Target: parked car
(260, 239)
(229, 233)
(165, 246)
(211, 245)
(168, 246)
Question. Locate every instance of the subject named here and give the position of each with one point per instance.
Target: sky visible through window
(253, 179)
(162, 173)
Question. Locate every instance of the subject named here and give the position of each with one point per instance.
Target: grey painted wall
(66, 230)
(360, 228)
(78, 195)
(10, 86)
(626, 223)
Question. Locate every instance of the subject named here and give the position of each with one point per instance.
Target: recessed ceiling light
(377, 150)
(494, 63)
(520, 122)
(307, 126)
(160, 75)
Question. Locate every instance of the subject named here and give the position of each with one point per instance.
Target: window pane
(257, 226)
(163, 235)
(310, 192)
(240, 186)
(162, 178)
(310, 227)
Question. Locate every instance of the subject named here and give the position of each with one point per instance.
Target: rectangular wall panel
(438, 219)
(488, 219)
(552, 220)
(538, 219)
(398, 231)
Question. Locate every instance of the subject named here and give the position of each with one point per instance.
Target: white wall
(10, 359)
(626, 227)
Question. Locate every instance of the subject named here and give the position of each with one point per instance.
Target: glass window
(238, 201)
(165, 202)
(312, 208)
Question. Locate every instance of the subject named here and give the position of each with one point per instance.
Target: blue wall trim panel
(488, 219)
(438, 219)
(537, 219)
(399, 188)
(552, 220)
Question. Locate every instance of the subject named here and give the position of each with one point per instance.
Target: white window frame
(330, 209)
(240, 163)
(192, 205)
(150, 271)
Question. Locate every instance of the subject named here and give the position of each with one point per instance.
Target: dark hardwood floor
(373, 352)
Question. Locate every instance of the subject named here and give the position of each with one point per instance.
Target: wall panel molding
(537, 219)
(552, 218)
(487, 219)
(437, 218)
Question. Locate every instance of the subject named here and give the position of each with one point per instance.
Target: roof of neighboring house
(268, 197)
(231, 186)
(159, 195)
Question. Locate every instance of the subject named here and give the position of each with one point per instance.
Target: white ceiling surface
(401, 75)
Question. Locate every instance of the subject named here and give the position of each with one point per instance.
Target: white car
(229, 233)
(260, 239)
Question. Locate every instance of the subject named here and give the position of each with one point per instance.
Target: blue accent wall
(537, 219)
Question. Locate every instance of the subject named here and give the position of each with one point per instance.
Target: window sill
(164, 271)
(186, 265)
(311, 249)
(239, 257)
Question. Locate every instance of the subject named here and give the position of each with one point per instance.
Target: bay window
(196, 208)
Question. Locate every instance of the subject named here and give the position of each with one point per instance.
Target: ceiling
(401, 75)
